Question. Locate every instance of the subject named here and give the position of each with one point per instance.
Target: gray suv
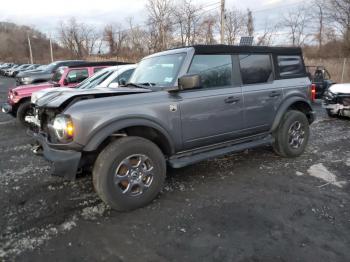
(180, 107)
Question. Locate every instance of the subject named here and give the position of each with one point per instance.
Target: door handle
(274, 94)
(232, 100)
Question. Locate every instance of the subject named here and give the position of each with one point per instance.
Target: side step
(192, 159)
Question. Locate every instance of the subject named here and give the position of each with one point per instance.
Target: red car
(18, 101)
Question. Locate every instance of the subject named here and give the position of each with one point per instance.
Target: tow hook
(37, 149)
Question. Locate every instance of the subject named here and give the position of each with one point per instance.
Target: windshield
(158, 71)
(95, 80)
(50, 67)
(58, 74)
(42, 67)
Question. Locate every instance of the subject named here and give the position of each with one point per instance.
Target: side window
(215, 70)
(77, 75)
(255, 69)
(123, 76)
(290, 66)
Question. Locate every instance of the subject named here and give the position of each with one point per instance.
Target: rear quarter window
(291, 66)
(256, 68)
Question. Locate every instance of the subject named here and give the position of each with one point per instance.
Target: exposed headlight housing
(63, 128)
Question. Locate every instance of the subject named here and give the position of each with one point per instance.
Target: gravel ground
(250, 206)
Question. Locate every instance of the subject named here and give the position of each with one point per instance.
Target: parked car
(18, 102)
(5, 69)
(336, 100)
(38, 69)
(321, 79)
(13, 72)
(25, 69)
(180, 107)
(113, 76)
(44, 75)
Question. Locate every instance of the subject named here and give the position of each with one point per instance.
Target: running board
(192, 159)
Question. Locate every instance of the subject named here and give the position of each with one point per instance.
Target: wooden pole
(222, 21)
(30, 50)
(51, 50)
(343, 71)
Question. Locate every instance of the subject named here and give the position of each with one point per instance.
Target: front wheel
(129, 173)
(292, 135)
(24, 110)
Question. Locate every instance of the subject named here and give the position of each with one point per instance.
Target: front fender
(100, 135)
(285, 106)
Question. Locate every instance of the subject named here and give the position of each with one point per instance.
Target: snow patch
(321, 172)
(347, 162)
(92, 213)
(18, 243)
(299, 173)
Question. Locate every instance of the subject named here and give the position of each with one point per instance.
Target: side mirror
(65, 82)
(122, 82)
(189, 82)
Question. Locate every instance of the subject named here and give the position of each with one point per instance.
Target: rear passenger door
(261, 93)
(213, 113)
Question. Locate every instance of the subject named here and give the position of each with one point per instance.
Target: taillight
(313, 93)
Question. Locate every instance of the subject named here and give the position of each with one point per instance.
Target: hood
(35, 73)
(59, 97)
(22, 73)
(28, 89)
(48, 92)
(340, 89)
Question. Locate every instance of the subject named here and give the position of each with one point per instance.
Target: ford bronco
(180, 107)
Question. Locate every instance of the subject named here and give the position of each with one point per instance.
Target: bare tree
(338, 11)
(159, 18)
(266, 37)
(319, 16)
(296, 22)
(115, 37)
(235, 25)
(79, 38)
(185, 15)
(206, 31)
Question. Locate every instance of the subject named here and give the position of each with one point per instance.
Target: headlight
(63, 128)
(328, 94)
(25, 79)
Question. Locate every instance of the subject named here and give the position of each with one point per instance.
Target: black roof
(104, 63)
(224, 49)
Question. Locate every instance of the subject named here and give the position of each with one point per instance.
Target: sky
(45, 15)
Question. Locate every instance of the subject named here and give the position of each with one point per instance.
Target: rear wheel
(24, 110)
(292, 135)
(129, 173)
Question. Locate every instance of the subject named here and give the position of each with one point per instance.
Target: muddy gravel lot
(250, 206)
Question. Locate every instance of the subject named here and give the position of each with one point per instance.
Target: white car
(112, 77)
(336, 100)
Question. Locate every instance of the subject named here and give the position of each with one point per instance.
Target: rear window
(290, 66)
(256, 68)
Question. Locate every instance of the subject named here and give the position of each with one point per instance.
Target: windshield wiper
(136, 85)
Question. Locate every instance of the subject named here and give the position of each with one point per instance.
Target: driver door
(213, 113)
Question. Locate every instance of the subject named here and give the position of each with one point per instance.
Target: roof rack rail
(104, 63)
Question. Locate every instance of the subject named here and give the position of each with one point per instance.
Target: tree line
(321, 27)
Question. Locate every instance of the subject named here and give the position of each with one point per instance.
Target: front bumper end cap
(64, 163)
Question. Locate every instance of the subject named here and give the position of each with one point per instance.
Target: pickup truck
(179, 107)
(18, 102)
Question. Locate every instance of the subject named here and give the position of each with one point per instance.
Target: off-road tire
(282, 145)
(22, 112)
(106, 166)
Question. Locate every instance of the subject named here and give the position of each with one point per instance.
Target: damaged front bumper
(337, 109)
(64, 163)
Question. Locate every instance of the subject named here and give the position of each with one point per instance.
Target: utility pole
(222, 21)
(51, 51)
(30, 50)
